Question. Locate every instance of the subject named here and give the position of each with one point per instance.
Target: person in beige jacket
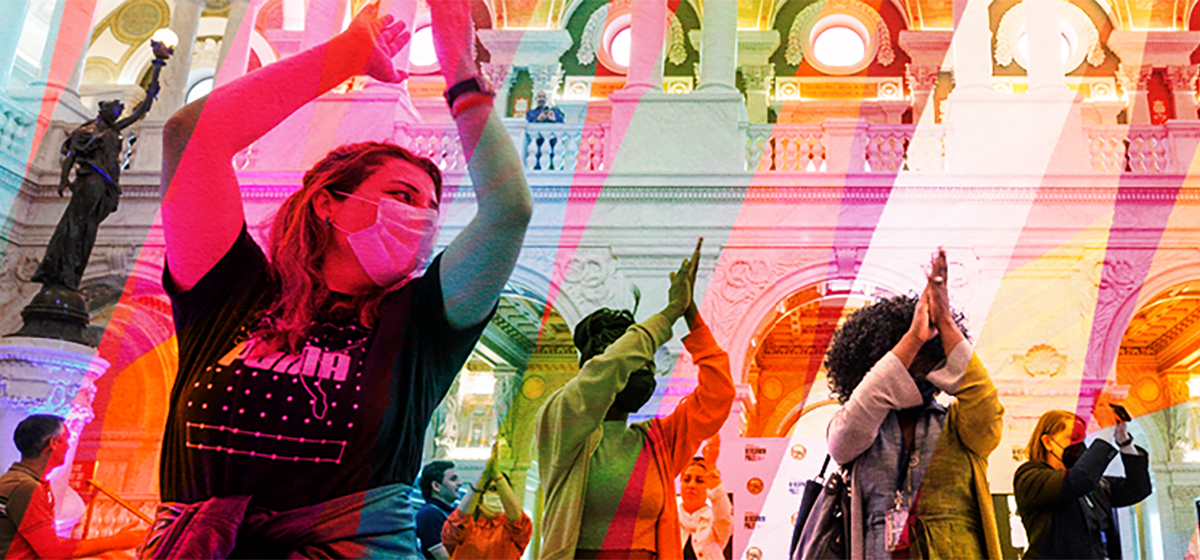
(919, 469)
(610, 486)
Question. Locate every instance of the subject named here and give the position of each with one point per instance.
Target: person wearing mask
(705, 514)
(307, 380)
(489, 522)
(27, 505)
(918, 469)
(439, 484)
(1064, 500)
(609, 486)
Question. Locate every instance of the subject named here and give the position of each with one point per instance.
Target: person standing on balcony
(919, 476)
(610, 486)
(307, 379)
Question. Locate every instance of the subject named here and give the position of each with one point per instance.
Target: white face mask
(398, 243)
(491, 506)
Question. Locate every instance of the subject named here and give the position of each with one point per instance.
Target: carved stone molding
(1182, 78)
(500, 76)
(593, 32)
(798, 40)
(758, 77)
(545, 77)
(592, 277)
(1133, 77)
(921, 78)
(1044, 360)
(676, 40)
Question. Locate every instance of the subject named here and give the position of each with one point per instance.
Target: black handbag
(812, 489)
(826, 527)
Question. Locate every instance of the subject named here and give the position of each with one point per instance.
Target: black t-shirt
(346, 414)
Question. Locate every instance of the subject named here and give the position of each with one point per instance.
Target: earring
(327, 221)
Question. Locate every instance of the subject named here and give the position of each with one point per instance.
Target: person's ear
(324, 204)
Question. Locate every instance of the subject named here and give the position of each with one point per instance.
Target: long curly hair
(299, 239)
(870, 333)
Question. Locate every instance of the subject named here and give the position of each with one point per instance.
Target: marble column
(1182, 80)
(718, 50)
(648, 29)
(922, 81)
(235, 46)
(546, 78)
(973, 46)
(238, 10)
(758, 79)
(185, 22)
(1134, 80)
(502, 77)
(10, 30)
(1043, 30)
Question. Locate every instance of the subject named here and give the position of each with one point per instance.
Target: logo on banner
(799, 452)
(754, 486)
(755, 453)
(753, 519)
(796, 487)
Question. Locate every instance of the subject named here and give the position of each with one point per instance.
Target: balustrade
(1130, 149)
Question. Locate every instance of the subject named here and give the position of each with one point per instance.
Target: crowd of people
(309, 370)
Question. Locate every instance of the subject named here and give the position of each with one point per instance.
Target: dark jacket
(1069, 513)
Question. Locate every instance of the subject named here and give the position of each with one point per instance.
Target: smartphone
(1121, 412)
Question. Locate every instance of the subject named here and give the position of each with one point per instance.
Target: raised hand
(939, 300)
(386, 36)
(679, 294)
(922, 325)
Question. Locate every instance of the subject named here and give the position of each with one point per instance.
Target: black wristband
(474, 84)
(1126, 442)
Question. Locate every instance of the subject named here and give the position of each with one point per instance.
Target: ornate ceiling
(1168, 327)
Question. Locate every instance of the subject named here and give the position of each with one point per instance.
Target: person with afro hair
(918, 469)
(610, 486)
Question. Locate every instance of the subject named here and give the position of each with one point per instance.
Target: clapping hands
(387, 38)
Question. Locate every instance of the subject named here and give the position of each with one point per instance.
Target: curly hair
(870, 333)
(597, 331)
(299, 240)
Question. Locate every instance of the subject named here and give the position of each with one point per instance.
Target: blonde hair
(1051, 423)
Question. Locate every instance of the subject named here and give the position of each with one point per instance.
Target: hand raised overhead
(683, 281)
(387, 38)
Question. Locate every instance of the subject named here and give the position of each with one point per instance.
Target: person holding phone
(1064, 500)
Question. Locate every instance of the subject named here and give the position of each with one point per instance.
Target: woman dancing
(609, 486)
(886, 364)
(306, 379)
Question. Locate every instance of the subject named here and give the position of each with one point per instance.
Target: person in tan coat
(918, 469)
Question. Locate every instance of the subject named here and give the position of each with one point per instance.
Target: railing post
(845, 145)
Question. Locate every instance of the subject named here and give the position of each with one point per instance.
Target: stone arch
(881, 277)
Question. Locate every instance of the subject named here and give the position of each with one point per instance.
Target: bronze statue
(93, 151)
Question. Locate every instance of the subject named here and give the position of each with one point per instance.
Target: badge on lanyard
(896, 521)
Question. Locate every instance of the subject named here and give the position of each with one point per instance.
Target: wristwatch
(473, 84)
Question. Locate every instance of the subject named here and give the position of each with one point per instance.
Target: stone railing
(542, 147)
(877, 148)
(1130, 149)
(16, 130)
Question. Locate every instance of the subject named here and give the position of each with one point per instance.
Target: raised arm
(700, 414)
(575, 411)
(888, 386)
(202, 204)
(477, 264)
